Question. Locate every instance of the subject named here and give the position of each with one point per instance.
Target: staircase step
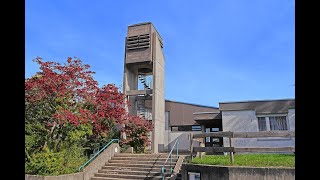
(162, 155)
(145, 173)
(132, 168)
(109, 178)
(141, 162)
(128, 176)
(142, 158)
(138, 165)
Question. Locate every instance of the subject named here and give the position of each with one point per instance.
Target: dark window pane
(196, 128)
(184, 128)
(262, 124)
(181, 128)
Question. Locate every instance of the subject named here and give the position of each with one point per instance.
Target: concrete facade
(209, 172)
(184, 140)
(292, 119)
(247, 121)
(144, 57)
(158, 102)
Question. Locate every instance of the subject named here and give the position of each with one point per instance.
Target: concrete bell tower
(144, 78)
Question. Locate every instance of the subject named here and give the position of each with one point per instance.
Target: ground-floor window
(278, 123)
(272, 123)
(186, 128)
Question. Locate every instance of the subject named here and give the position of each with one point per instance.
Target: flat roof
(144, 23)
(264, 100)
(275, 106)
(139, 24)
(192, 104)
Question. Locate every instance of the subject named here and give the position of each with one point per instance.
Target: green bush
(55, 163)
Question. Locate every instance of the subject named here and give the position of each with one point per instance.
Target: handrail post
(162, 170)
(170, 163)
(169, 156)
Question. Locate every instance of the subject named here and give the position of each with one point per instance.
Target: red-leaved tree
(65, 98)
(136, 136)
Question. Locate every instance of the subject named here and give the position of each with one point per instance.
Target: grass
(255, 160)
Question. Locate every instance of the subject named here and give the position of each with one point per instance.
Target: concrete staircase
(136, 166)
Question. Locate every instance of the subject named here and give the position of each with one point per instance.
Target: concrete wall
(158, 102)
(209, 172)
(88, 171)
(184, 141)
(292, 119)
(247, 121)
(33, 177)
(74, 176)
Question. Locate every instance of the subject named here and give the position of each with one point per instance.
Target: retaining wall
(209, 172)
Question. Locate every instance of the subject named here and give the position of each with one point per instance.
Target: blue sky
(215, 50)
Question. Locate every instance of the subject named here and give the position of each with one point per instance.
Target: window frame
(268, 121)
(265, 121)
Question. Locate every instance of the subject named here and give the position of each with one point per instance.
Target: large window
(272, 123)
(278, 123)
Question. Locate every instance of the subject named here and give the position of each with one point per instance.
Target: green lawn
(256, 160)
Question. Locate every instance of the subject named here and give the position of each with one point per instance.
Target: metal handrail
(170, 155)
(95, 155)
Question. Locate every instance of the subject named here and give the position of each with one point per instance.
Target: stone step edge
(124, 168)
(148, 165)
(153, 172)
(128, 175)
(111, 178)
(160, 158)
(126, 161)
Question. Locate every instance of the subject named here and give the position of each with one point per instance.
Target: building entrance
(213, 141)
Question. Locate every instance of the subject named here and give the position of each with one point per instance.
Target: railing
(170, 156)
(231, 150)
(95, 155)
